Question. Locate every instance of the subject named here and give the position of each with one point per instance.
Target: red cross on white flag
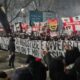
(72, 22)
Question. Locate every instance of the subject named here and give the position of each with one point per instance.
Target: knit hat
(38, 59)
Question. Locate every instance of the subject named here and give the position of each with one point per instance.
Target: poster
(53, 24)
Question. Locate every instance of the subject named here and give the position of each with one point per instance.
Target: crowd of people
(44, 36)
(60, 68)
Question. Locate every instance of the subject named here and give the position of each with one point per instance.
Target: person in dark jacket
(55, 66)
(57, 69)
(11, 46)
(11, 60)
(70, 56)
(77, 64)
(37, 68)
(11, 49)
(76, 53)
(30, 59)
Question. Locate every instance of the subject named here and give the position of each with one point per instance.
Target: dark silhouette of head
(30, 59)
(3, 74)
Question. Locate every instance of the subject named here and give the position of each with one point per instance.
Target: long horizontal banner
(36, 47)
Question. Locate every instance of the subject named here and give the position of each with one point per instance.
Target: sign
(53, 23)
(47, 15)
(35, 28)
(17, 27)
(35, 16)
(53, 34)
(36, 47)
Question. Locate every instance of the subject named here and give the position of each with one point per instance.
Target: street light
(22, 10)
(23, 14)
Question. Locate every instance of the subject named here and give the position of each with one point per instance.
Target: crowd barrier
(36, 47)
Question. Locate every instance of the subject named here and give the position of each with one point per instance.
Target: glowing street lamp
(23, 14)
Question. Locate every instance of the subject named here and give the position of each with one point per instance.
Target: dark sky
(61, 7)
(67, 7)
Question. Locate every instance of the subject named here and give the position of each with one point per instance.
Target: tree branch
(8, 4)
(20, 10)
(15, 17)
(5, 6)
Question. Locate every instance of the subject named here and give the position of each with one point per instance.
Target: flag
(72, 23)
(35, 28)
(24, 27)
(38, 26)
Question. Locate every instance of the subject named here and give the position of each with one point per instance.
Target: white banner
(35, 47)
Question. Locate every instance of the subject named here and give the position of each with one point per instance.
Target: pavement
(19, 62)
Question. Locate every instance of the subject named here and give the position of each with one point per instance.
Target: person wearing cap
(38, 69)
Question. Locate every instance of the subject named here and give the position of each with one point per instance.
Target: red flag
(24, 27)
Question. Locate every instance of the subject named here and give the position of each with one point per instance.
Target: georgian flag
(72, 23)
